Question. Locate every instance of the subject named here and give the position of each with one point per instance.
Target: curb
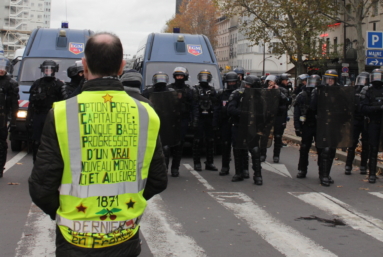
(340, 155)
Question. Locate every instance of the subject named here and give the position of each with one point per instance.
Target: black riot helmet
(282, 77)
(181, 71)
(313, 81)
(160, 77)
(205, 76)
(330, 78)
(231, 79)
(5, 65)
(302, 77)
(253, 81)
(240, 71)
(75, 69)
(376, 76)
(49, 68)
(363, 79)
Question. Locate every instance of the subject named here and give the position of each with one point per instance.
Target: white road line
(164, 234)
(199, 177)
(378, 194)
(283, 238)
(279, 169)
(38, 238)
(14, 160)
(366, 224)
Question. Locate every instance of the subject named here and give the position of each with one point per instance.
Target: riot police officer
(231, 79)
(43, 93)
(372, 106)
(241, 75)
(302, 82)
(9, 96)
(205, 120)
(76, 74)
(280, 119)
(326, 154)
(305, 122)
(360, 128)
(185, 95)
(241, 155)
(160, 103)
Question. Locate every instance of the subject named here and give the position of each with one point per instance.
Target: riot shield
(335, 116)
(259, 107)
(166, 105)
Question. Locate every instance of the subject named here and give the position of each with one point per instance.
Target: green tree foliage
(295, 24)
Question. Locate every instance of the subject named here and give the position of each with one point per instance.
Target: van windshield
(193, 68)
(31, 68)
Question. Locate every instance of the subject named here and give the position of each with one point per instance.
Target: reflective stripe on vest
(107, 140)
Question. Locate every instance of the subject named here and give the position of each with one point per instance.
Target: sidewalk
(289, 135)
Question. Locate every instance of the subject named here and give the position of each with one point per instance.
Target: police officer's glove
(298, 133)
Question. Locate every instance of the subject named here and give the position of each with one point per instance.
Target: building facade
(17, 20)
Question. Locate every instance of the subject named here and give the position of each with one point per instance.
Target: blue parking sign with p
(374, 39)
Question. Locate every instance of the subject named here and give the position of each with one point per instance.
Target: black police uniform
(305, 127)
(9, 105)
(185, 94)
(205, 124)
(360, 129)
(42, 94)
(372, 107)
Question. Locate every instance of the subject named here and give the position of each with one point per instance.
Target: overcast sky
(131, 20)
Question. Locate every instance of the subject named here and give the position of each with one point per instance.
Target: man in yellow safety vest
(99, 161)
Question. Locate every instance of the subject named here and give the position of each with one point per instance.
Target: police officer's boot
(324, 167)
(166, 152)
(196, 155)
(256, 159)
(277, 148)
(372, 164)
(177, 155)
(245, 164)
(330, 162)
(364, 158)
(303, 161)
(238, 165)
(263, 154)
(209, 164)
(349, 160)
(226, 152)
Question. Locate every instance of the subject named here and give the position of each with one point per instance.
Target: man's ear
(121, 70)
(86, 71)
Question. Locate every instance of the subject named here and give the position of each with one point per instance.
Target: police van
(62, 45)
(166, 51)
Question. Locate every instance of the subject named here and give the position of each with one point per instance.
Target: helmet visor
(312, 82)
(4, 66)
(161, 78)
(204, 78)
(48, 71)
(361, 81)
(376, 76)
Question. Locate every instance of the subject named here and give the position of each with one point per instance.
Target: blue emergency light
(64, 24)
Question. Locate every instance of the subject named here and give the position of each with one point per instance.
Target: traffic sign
(345, 74)
(344, 70)
(374, 53)
(374, 61)
(375, 39)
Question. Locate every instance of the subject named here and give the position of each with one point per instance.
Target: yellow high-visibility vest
(107, 140)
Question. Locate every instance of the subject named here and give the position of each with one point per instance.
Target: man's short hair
(104, 58)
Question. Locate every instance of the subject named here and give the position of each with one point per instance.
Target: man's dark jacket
(47, 172)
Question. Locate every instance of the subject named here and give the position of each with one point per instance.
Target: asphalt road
(203, 214)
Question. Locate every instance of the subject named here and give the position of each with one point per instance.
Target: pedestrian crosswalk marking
(378, 194)
(279, 169)
(364, 223)
(283, 238)
(199, 177)
(164, 235)
(14, 160)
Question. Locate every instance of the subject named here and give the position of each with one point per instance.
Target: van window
(31, 68)
(193, 68)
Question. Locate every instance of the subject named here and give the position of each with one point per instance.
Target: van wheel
(16, 145)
